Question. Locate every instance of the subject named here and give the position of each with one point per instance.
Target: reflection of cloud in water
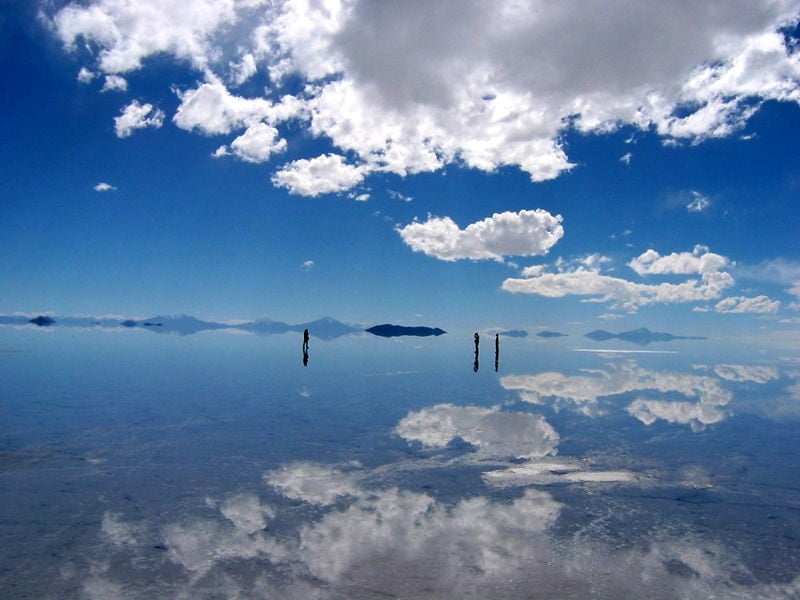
(381, 542)
(493, 433)
(550, 472)
(312, 483)
(754, 373)
(582, 392)
(696, 415)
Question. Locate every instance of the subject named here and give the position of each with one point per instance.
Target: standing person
(305, 339)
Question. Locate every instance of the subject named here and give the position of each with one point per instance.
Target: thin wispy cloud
(699, 203)
(104, 187)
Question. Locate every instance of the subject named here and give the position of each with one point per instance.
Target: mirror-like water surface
(220, 466)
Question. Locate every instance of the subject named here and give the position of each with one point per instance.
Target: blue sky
(459, 164)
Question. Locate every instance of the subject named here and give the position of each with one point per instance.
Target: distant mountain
(551, 334)
(178, 324)
(641, 336)
(325, 328)
(388, 330)
(515, 333)
(265, 327)
(42, 321)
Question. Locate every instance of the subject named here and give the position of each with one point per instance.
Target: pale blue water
(137, 465)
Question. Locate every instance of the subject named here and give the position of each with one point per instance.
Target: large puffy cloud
(325, 174)
(629, 295)
(483, 84)
(523, 233)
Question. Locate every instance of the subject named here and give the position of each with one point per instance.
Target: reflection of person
(305, 340)
(496, 352)
(476, 365)
(305, 357)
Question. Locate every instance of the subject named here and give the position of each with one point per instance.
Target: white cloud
(308, 265)
(256, 145)
(523, 233)
(700, 261)
(326, 174)
(114, 83)
(492, 432)
(104, 187)
(626, 158)
(742, 304)
(699, 202)
(211, 109)
(482, 84)
(137, 116)
(629, 295)
(85, 75)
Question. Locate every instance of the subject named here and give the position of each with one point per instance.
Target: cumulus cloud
(114, 83)
(256, 145)
(104, 187)
(137, 116)
(484, 85)
(326, 174)
(742, 304)
(523, 233)
(587, 280)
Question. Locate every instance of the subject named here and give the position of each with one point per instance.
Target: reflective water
(135, 465)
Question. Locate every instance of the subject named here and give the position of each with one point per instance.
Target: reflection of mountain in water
(641, 336)
(388, 330)
(325, 328)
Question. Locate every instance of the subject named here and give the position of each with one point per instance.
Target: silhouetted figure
(476, 365)
(305, 340)
(305, 357)
(496, 352)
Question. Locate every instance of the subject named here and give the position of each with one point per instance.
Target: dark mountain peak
(389, 330)
(42, 321)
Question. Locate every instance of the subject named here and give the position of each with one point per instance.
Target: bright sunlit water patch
(136, 465)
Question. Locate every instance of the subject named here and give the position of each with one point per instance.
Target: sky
(463, 164)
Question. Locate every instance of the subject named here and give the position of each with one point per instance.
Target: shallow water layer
(216, 465)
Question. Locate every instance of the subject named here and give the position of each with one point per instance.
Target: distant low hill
(388, 330)
(551, 334)
(641, 336)
(514, 333)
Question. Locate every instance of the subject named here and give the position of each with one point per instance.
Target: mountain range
(325, 328)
